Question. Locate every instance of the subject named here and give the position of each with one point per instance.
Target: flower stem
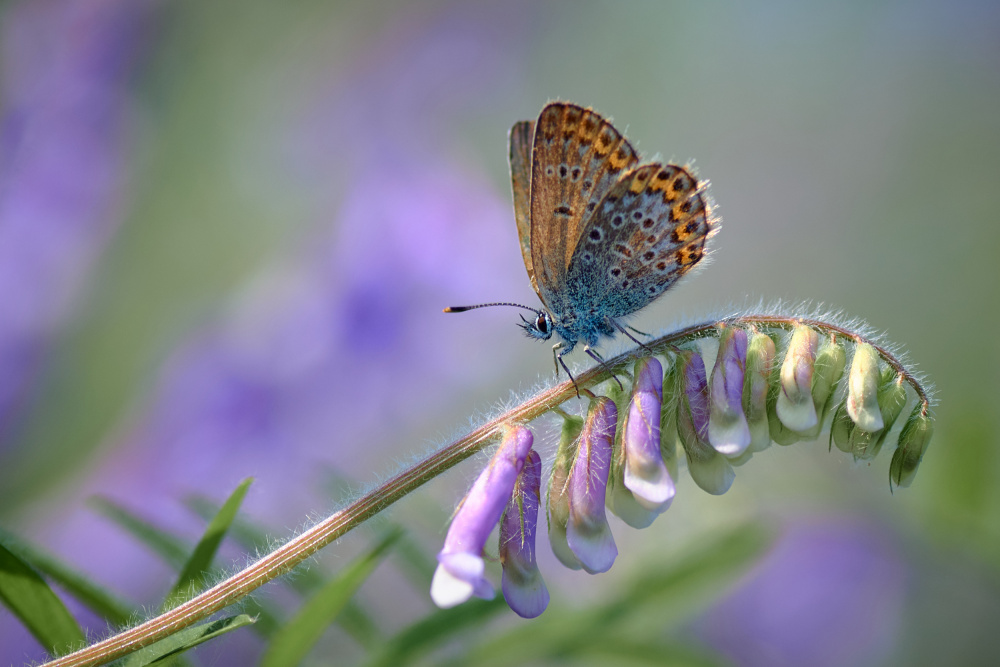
(293, 552)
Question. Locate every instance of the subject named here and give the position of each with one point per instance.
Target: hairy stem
(287, 556)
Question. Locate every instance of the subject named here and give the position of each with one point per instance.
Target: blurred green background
(303, 186)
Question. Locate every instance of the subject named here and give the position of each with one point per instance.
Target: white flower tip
(458, 577)
(595, 549)
(651, 484)
(797, 416)
(447, 590)
(729, 437)
(868, 417)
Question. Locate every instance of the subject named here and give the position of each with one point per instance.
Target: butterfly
(602, 236)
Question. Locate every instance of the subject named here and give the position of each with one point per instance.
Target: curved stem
(290, 554)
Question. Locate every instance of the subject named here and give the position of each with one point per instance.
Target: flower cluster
(623, 454)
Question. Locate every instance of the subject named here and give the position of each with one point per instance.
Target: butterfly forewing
(577, 156)
(519, 145)
(648, 230)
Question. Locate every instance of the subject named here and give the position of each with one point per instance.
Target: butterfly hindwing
(519, 145)
(577, 156)
(648, 230)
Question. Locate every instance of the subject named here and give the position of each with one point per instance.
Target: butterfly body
(601, 235)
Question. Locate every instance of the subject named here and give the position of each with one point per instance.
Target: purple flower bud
(587, 532)
(795, 406)
(643, 488)
(913, 441)
(459, 574)
(760, 362)
(522, 583)
(862, 389)
(709, 469)
(728, 430)
(645, 474)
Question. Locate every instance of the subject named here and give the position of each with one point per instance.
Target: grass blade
(192, 576)
(41, 611)
(294, 641)
(185, 639)
(96, 598)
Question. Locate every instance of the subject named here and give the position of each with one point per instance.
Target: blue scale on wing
(647, 231)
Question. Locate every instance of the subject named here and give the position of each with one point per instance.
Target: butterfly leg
(559, 350)
(630, 336)
(556, 358)
(599, 359)
(641, 333)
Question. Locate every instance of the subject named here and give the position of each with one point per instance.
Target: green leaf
(167, 546)
(94, 597)
(185, 639)
(192, 577)
(29, 598)
(354, 619)
(293, 642)
(434, 630)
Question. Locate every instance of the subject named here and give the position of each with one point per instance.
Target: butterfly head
(540, 327)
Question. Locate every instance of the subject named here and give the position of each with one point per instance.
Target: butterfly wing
(519, 145)
(576, 157)
(647, 231)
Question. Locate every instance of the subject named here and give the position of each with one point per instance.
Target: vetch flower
(890, 400)
(759, 365)
(459, 574)
(709, 469)
(795, 406)
(587, 532)
(645, 474)
(862, 389)
(913, 441)
(522, 583)
(728, 430)
(829, 368)
(642, 488)
(558, 496)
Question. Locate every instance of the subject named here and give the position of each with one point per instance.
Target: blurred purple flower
(830, 593)
(63, 143)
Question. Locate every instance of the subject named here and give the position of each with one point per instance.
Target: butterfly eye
(542, 323)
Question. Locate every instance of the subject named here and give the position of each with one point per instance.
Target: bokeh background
(227, 230)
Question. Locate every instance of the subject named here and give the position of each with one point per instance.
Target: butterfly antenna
(462, 309)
